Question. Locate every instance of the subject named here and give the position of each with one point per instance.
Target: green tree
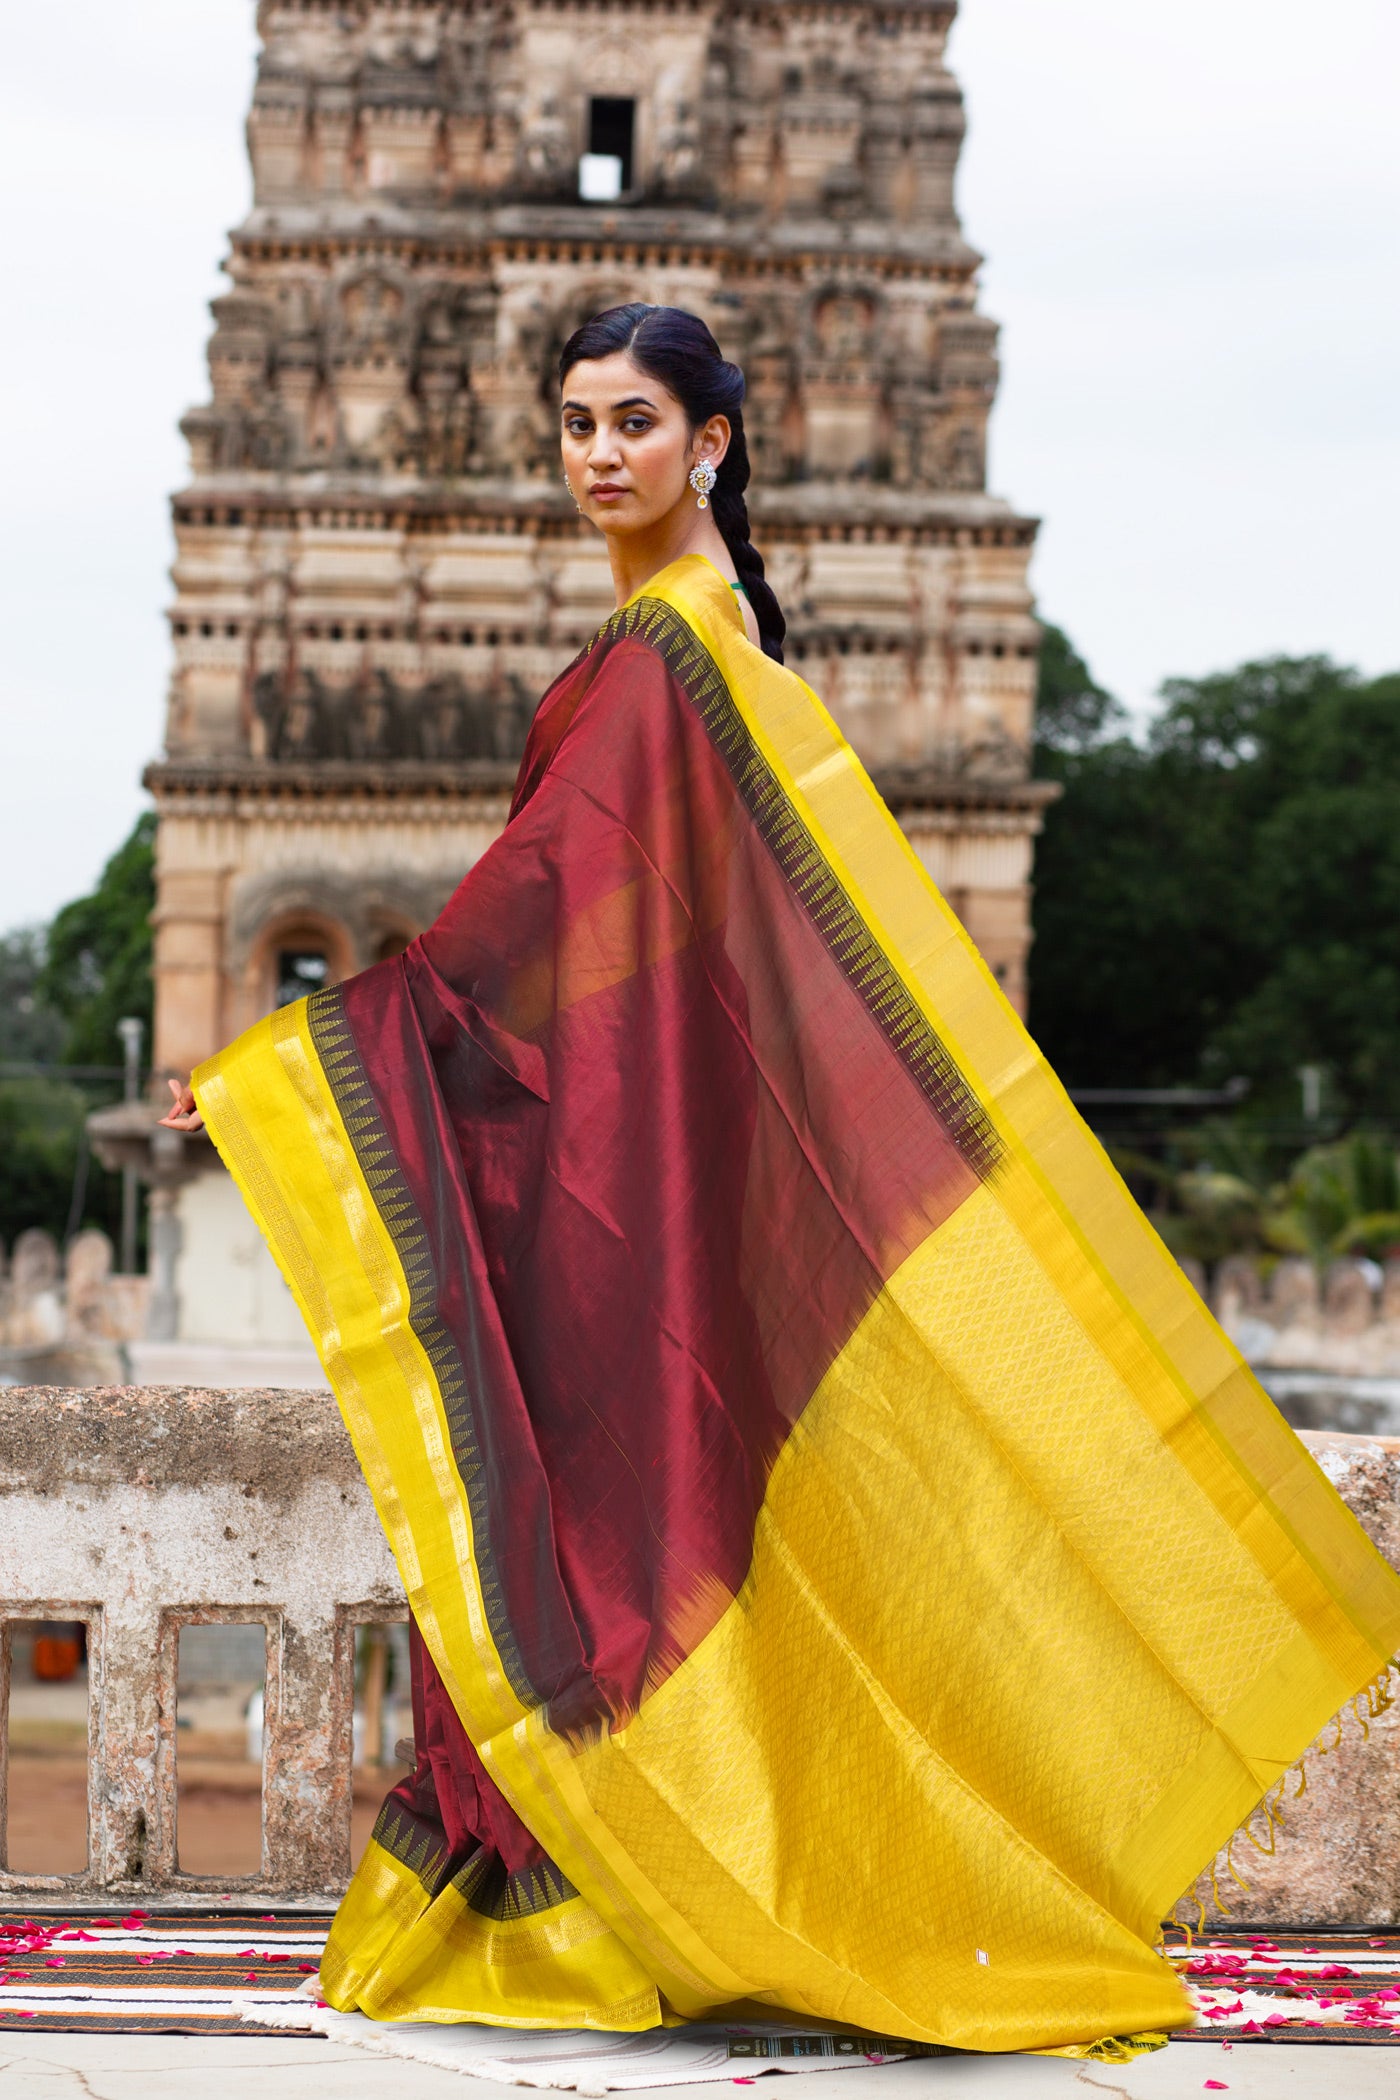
(1126, 969)
(1073, 713)
(62, 991)
(42, 1144)
(97, 964)
(1220, 897)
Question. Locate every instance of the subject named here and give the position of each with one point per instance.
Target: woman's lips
(602, 490)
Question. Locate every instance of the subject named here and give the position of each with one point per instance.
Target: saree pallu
(851, 1572)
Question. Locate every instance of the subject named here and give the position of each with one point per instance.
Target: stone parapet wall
(139, 1510)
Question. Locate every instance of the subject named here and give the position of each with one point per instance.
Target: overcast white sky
(1191, 217)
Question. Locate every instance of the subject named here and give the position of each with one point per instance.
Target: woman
(850, 1570)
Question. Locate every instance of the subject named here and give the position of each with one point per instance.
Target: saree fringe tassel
(1375, 1698)
(762, 1376)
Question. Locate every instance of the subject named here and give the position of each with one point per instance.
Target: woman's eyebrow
(578, 406)
(633, 401)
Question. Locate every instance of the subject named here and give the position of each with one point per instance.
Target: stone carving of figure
(439, 719)
(995, 757)
(844, 323)
(432, 431)
(478, 727)
(269, 712)
(530, 447)
(512, 712)
(371, 717)
(545, 155)
(305, 721)
(967, 463)
(677, 134)
(372, 316)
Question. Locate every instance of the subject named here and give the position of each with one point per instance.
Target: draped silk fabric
(851, 1571)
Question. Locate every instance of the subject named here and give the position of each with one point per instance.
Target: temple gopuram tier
(379, 569)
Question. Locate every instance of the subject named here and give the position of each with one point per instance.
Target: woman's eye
(637, 424)
(576, 426)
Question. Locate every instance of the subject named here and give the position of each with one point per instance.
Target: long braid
(732, 517)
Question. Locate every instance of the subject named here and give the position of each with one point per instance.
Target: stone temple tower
(378, 567)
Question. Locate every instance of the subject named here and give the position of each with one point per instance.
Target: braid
(732, 518)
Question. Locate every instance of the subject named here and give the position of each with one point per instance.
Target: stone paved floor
(98, 2067)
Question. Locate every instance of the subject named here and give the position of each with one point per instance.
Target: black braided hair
(676, 347)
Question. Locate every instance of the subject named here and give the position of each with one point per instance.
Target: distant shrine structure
(378, 567)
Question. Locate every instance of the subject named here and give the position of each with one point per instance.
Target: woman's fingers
(182, 1113)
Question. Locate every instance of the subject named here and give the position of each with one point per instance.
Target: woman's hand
(182, 1115)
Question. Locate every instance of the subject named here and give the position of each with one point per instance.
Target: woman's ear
(712, 440)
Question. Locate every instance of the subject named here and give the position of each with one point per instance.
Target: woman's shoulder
(620, 677)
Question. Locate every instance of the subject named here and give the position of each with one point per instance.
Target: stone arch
(352, 921)
(278, 916)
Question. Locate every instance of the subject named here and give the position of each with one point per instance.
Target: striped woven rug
(1317, 1985)
(233, 1970)
(141, 1972)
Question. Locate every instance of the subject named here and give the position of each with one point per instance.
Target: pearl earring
(702, 479)
(570, 487)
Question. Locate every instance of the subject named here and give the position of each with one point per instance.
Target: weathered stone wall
(139, 1510)
(1337, 1858)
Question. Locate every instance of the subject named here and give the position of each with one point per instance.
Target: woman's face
(628, 448)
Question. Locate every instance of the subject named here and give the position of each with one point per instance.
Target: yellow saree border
(396, 1954)
(343, 1268)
